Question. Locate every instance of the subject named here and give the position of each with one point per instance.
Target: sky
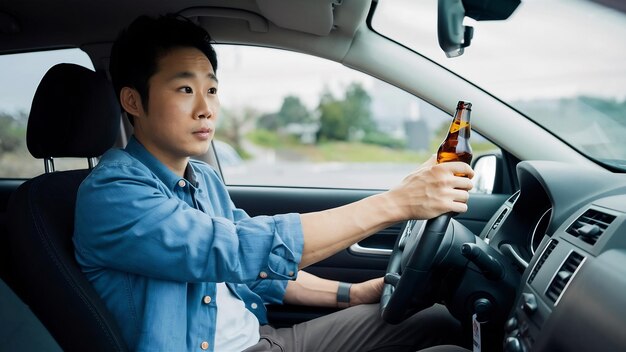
(546, 48)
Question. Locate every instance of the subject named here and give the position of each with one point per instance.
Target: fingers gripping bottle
(456, 146)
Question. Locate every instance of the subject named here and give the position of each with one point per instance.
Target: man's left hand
(366, 292)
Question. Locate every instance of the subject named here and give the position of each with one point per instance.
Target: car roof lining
(325, 28)
(100, 21)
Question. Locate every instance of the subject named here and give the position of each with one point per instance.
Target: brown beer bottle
(456, 146)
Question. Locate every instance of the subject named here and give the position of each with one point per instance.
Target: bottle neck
(462, 119)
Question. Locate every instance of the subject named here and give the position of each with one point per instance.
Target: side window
(289, 119)
(21, 73)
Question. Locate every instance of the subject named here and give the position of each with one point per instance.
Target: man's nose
(204, 107)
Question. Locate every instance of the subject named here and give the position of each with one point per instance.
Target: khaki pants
(361, 329)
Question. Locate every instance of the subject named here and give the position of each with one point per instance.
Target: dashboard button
(512, 344)
(530, 303)
(510, 325)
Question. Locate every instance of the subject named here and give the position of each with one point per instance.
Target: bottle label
(457, 126)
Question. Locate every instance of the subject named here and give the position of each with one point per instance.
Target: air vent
(589, 226)
(563, 277)
(499, 219)
(542, 259)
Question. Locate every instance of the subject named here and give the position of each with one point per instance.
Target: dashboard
(566, 231)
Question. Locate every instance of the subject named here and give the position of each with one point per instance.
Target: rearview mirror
(453, 36)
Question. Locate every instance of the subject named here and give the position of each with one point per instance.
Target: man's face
(182, 107)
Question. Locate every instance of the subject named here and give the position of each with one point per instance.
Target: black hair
(138, 48)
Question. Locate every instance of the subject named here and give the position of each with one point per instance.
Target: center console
(574, 288)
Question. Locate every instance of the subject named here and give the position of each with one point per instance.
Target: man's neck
(176, 164)
(178, 167)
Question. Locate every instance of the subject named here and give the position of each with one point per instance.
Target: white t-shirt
(237, 328)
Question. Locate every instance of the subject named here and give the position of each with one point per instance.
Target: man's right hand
(431, 190)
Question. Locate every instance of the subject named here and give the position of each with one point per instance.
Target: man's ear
(131, 101)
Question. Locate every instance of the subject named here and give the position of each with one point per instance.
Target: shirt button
(253, 306)
(182, 183)
(291, 273)
(204, 345)
(206, 299)
(263, 275)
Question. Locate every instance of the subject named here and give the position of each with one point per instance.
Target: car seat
(74, 114)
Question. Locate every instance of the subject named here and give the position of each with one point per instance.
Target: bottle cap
(462, 104)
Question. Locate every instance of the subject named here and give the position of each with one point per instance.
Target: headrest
(74, 114)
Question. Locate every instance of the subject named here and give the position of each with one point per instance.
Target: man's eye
(187, 90)
(212, 90)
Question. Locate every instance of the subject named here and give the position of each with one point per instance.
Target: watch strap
(343, 294)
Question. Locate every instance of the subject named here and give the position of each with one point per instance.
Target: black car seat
(74, 114)
(20, 330)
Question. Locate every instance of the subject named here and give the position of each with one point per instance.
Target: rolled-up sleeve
(127, 221)
(284, 248)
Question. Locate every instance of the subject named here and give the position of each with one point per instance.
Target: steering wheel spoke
(409, 280)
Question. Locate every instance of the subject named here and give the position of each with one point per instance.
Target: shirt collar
(169, 178)
(190, 175)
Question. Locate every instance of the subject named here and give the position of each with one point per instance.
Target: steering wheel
(409, 282)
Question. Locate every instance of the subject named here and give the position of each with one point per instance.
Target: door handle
(358, 249)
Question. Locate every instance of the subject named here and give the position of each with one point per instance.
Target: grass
(359, 152)
(328, 151)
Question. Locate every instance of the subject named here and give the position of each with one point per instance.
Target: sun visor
(314, 17)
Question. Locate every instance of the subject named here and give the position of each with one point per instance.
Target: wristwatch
(343, 295)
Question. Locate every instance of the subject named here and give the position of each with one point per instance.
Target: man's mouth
(203, 132)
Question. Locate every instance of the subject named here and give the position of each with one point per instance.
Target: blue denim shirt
(154, 244)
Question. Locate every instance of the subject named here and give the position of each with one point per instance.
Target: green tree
(333, 125)
(12, 131)
(344, 119)
(357, 108)
(293, 111)
(268, 122)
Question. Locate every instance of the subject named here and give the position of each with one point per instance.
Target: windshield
(560, 62)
